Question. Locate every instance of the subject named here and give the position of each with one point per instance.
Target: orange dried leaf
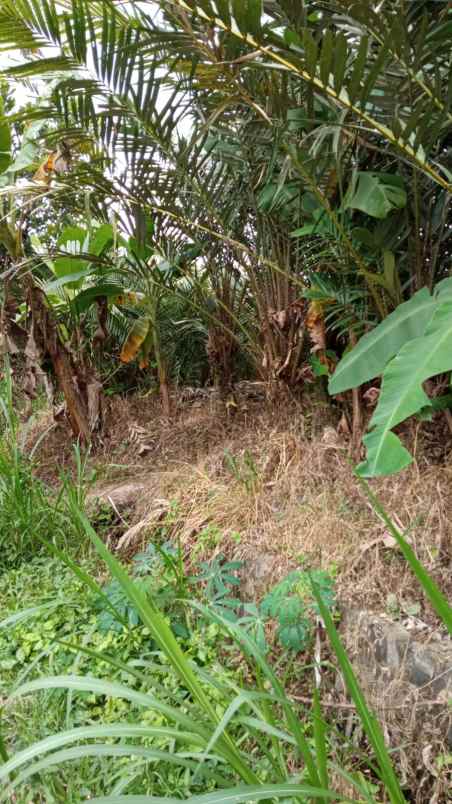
(315, 324)
(44, 171)
(55, 163)
(136, 337)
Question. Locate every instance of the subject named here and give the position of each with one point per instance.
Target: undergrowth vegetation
(237, 206)
(29, 512)
(156, 681)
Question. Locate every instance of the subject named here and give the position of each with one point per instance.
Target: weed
(292, 605)
(236, 537)
(208, 539)
(219, 578)
(244, 470)
(29, 512)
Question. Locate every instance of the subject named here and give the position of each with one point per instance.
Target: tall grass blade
(320, 732)
(436, 597)
(165, 639)
(3, 751)
(368, 720)
(246, 643)
(235, 795)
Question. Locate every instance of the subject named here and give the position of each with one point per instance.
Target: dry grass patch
(270, 481)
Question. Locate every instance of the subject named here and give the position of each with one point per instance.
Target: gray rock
(120, 497)
(396, 668)
(257, 576)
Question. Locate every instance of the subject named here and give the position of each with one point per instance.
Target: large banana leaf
(101, 239)
(369, 358)
(73, 241)
(402, 394)
(87, 297)
(79, 244)
(26, 156)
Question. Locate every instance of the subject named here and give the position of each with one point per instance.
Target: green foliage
(158, 571)
(5, 141)
(290, 604)
(279, 157)
(218, 578)
(59, 633)
(369, 357)
(293, 607)
(155, 701)
(243, 468)
(272, 720)
(410, 346)
(165, 713)
(29, 512)
(376, 194)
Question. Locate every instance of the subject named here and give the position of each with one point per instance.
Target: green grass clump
(30, 513)
(53, 625)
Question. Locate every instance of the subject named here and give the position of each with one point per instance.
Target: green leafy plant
(159, 570)
(243, 468)
(218, 577)
(376, 194)
(29, 512)
(410, 346)
(290, 603)
(208, 538)
(293, 607)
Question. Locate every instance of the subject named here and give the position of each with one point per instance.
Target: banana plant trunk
(81, 390)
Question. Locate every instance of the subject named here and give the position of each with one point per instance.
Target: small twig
(117, 512)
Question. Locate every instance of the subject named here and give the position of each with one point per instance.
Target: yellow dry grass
(286, 490)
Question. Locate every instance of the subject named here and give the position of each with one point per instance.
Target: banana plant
(156, 276)
(409, 347)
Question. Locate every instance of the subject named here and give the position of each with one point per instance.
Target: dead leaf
(56, 162)
(315, 324)
(371, 396)
(136, 337)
